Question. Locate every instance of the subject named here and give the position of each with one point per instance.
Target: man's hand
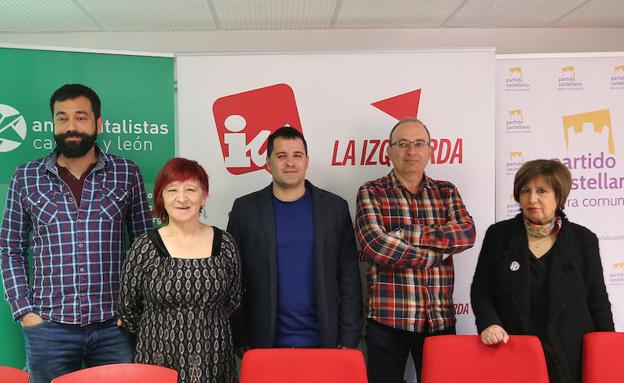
(494, 334)
(30, 319)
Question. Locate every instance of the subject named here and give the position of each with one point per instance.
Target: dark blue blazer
(337, 284)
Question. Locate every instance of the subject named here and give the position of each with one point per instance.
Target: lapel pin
(514, 266)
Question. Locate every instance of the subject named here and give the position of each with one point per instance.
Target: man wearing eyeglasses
(408, 226)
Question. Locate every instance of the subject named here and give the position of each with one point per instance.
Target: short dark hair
(406, 120)
(555, 173)
(175, 170)
(72, 91)
(287, 133)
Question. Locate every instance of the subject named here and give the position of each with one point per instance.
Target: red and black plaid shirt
(404, 238)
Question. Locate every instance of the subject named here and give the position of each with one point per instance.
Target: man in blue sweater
(299, 258)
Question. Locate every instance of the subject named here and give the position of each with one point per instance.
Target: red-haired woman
(181, 282)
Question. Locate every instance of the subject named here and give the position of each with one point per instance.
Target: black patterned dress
(179, 308)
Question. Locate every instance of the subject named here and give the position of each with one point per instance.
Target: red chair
(121, 373)
(602, 357)
(318, 365)
(463, 358)
(13, 375)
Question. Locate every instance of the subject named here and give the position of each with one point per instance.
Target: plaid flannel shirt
(403, 237)
(77, 251)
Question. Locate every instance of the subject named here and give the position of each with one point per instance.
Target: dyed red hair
(177, 169)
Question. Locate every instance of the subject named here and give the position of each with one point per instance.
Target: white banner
(345, 104)
(569, 108)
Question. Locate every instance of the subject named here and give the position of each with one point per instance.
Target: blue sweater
(297, 321)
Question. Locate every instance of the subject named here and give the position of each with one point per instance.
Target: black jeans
(388, 349)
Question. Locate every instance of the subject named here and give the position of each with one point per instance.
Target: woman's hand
(494, 334)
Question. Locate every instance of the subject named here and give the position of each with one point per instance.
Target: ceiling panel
(395, 13)
(150, 15)
(26, 16)
(605, 13)
(43, 16)
(512, 13)
(274, 14)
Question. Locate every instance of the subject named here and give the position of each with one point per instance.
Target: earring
(202, 212)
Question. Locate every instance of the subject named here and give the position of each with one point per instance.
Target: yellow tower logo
(599, 119)
(515, 72)
(519, 156)
(516, 115)
(568, 71)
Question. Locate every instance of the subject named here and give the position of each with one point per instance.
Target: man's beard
(74, 149)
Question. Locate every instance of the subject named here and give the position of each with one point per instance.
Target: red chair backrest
(13, 375)
(121, 373)
(274, 365)
(463, 358)
(602, 357)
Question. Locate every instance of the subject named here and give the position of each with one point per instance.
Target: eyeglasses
(405, 144)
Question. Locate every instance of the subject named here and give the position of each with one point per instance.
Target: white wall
(505, 40)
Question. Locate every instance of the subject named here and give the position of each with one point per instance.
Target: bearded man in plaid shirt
(72, 210)
(408, 226)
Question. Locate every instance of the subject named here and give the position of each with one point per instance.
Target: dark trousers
(389, 347)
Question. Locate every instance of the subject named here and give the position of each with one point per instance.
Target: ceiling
(36, 16)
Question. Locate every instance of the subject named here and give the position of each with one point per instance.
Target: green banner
(137, 94)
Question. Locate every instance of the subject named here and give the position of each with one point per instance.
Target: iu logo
(245, 121)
